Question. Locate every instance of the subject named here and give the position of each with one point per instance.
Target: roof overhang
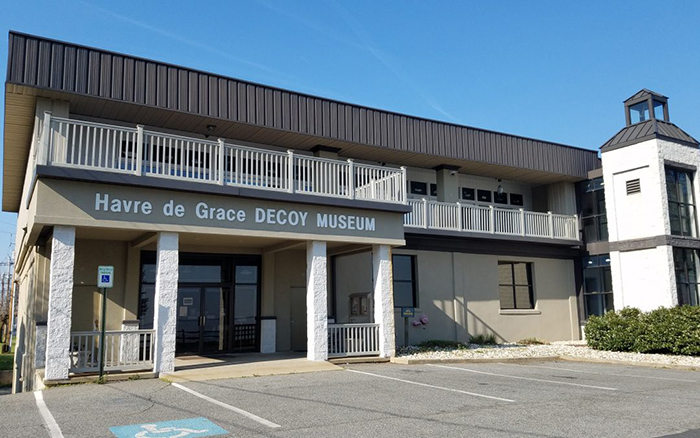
(112, 86)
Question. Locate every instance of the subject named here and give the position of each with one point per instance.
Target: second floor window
(593, 214)
(681, 203)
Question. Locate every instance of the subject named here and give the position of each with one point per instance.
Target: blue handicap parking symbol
(187, 428)
(105, 279)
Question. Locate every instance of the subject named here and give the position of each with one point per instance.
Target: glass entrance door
(202, 319)
(215, 310)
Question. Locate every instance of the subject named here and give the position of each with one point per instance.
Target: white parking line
(524, 378)
(606, 374)
(433, 386)
(54, 430)
(227, 406)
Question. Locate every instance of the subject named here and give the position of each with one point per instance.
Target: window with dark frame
(483, 195)
(500, 198)
(468, 194)
(516, 199)
(597, 285)
(433, 189)
(419, 188)
(593, 214)
(686, 264)
(515, 285)
(681, 203)
(404, 273)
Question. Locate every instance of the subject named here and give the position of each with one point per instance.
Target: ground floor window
(597, 285)
(515, 285)
(404, 274)
(685, 261)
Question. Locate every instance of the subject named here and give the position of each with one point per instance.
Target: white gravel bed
(573, 349)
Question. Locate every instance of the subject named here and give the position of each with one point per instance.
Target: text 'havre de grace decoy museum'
(230, 217)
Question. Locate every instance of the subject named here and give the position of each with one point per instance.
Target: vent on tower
(633, 186)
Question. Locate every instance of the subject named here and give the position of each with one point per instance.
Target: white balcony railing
(353, 340)
(125, 350)
(96, 146)
(490, 219)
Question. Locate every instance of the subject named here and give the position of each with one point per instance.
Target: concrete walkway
(199, 368)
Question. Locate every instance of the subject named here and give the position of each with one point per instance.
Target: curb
(108, 378)
(405, 361)
(516, 360)
(631, 363)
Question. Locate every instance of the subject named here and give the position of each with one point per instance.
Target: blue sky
(553, 70)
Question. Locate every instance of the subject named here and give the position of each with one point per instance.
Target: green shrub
(438, 343)
(675, 331)
(483, 339)
(614, 331)
(670, 331)
(532, 341)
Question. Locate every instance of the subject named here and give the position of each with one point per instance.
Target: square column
(59, 321)
(447, 183)
(384, 299)
(316, 301)
(165, 314)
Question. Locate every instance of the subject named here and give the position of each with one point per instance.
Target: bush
(438, 343)
(483, 339)
(532, 341)
(614, 331)
(671, 331)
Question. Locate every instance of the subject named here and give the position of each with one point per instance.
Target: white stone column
(384, 299)
(165, 311)
(59, 321)
(268, 334)
(129, 345)
(316, 301)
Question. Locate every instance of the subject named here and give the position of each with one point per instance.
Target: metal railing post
(404, 188)
(551, 224)
(425, 213)
(351, 178)
(45, 144)
(522, 221)
(138, 160)
(222, 161)
(577, 228)
(290, 171)
(459, 216)
(492, 222)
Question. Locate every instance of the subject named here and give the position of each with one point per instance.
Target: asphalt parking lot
(552, 399)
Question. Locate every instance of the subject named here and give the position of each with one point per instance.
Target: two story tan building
(240, 217)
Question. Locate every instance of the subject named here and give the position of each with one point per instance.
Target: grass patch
(532, 341)
(7, 359)
(438, 344)
(483, 339)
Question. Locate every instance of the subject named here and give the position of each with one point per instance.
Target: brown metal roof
(646, 130)
(105, 84)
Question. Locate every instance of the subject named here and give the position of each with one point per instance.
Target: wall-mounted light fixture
(500, 187)
(210, 130)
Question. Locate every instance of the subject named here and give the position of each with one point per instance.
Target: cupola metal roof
(654, 126)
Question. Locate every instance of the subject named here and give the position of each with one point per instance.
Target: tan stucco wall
(290, 271)
(353, 275)
(455, 287)
(89, 254)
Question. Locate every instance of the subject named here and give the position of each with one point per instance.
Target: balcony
(490, 220)
(137, 151)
